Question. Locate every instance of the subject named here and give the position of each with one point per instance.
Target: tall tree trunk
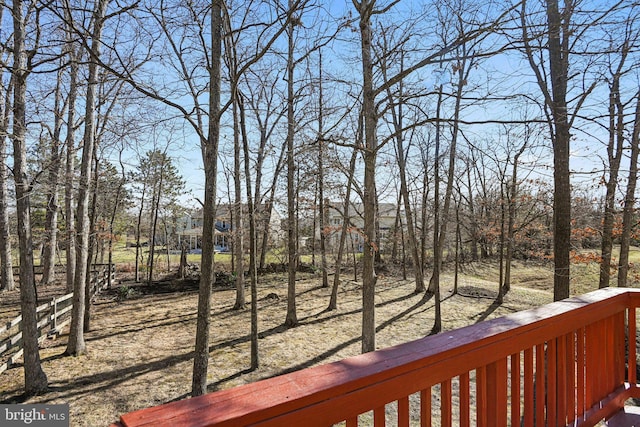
(629, 202)
(210, 161)
(365, 8)
(35, 380)
(76, 344)
(558, 27)
(292, 244)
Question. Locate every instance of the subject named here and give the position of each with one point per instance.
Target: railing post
(632, 346)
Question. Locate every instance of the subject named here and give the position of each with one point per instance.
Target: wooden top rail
(330, 393)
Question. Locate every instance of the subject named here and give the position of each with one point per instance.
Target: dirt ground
(139, 352)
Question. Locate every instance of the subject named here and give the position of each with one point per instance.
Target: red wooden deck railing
(566, 363)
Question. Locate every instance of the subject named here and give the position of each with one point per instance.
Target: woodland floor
(139, 352)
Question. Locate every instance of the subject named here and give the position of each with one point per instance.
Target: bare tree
(398, 126)
(366, 9)
(76, 344)
(292, 237)
(559, 41)
(34, 377)
(616, 141)
(69, 192)
(52, 196)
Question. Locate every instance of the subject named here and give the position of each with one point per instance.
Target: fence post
(54, 321)
(109, 276)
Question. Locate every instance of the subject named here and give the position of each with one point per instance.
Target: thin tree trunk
(6, 262)
(253, 272)
(473, 222)
(512, 196)
(404, 188)
(323, 238)
(138, 233)
(154, 223)
(501, 244)
(333, 301)
(112, 220)
(93, 242)
(70, 219)
(51, 217)
(238, 245)
(457, 250)
(614, 154)
(434, 283)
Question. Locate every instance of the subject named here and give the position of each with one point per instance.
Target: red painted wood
(609, 405)
(571, 361)
(496, 394)
(582, 392)
(552, 380)
(481, 396)
(528, 388)
(330, 393)
(515, 388)
(445, 404)
(352, 422)
(540, 392)
(632, 345)
(608, 382)
(425, 408)
(465, 402)
(620, 348)
(403, 412)
(561, 382)
(590, 366)
(378, 417)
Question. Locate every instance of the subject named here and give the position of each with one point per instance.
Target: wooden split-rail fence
(52, 317)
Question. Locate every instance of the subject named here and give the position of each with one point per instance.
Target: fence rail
(52, 317)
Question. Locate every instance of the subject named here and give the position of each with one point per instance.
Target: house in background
(387, 213)
(189, 228)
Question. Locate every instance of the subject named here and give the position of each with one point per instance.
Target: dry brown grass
(139, 351)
